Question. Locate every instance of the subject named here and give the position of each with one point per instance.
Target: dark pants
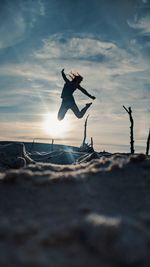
(70, 104)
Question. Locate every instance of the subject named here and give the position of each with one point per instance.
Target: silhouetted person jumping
(68, 101)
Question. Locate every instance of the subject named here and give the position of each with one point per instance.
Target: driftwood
(52, 148)
(85, 130)
(148, 142)
(85, 147)
(129, 111)
(13, 156)
(92, 142)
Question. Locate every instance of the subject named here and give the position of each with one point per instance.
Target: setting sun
(54, 127)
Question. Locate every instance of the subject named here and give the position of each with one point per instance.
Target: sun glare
(54, 127)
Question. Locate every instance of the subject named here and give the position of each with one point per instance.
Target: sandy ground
(94, 212)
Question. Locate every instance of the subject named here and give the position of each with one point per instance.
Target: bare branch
(125, 109)
(148, 144)
(129, 111)
(85, 130)
(92, 142)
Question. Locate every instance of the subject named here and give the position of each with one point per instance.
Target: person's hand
(93, 97)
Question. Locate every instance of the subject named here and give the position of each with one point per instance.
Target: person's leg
(62, 111)
(79, 114)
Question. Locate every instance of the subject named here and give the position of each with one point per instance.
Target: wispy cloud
(108, 55)
(32, 11)
(16, 20)
(29, 70)
(142, 24)
(58, 46)
(12, 29)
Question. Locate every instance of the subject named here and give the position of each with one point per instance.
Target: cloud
(88, 50)
(28, 70)
(142, 24)
(59, 46)
(42, 8)
(16, 20)
(146, 3)
(12, 29)
(32, 11)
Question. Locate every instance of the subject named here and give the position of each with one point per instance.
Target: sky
(107, 42)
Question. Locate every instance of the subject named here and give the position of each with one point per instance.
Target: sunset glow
(54, 127)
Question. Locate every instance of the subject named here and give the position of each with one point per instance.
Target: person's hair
(76, 78)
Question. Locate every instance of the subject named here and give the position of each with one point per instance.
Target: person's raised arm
(64, 76)
(85, 92)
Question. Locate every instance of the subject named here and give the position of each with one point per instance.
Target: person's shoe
(88, 104)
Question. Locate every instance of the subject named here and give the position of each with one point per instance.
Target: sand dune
(92, 212)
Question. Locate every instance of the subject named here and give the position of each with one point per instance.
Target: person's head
(77, 79)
